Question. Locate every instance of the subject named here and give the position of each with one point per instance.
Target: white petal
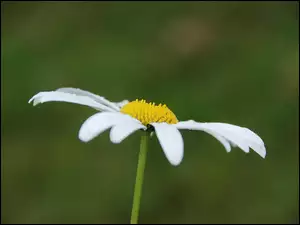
(244, 134)
(171, 141)
(50, 96)
(95, 97)
(122, 103)
(122, 130)
(235, 135)
(98, 123)
(223, 141)
(203, 126)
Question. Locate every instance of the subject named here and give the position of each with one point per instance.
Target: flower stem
(139, 178)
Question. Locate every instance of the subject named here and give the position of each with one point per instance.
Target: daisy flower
(124, 118)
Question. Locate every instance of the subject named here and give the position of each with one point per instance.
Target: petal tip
(263, 154)
(35, 102)
(261, 150)
(176, 163)
(83, 136)
(32, 99)
(113, 139)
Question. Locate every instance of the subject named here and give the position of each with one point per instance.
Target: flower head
(148, 113)
(124, 118)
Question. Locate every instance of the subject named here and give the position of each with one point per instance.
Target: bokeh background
(233, 62)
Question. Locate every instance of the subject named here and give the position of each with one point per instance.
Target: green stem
(139, 179)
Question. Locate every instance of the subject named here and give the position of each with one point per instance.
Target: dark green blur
(231, 62)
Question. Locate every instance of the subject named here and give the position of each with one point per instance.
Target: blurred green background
(232, 62)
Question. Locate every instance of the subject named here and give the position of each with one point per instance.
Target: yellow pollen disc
(149, 112)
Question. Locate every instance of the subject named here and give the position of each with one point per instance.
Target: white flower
(126, 117)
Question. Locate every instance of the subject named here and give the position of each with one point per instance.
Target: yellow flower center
(149, 112)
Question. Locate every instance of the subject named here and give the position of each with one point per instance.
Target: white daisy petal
(122, 103)
(122, 130)
(95, 97)
(243, 134)
(223, 141)
(98, 123)
(171, 141)
(50, 96)
(192, 125)
(235, 135)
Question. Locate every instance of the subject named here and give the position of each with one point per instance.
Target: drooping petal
(171, 141)
(201, 126)
(122, 130)
(251, 139)
(50, 96)
(235, 135)
(221, 139)
(99, 123)
(95, 97)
